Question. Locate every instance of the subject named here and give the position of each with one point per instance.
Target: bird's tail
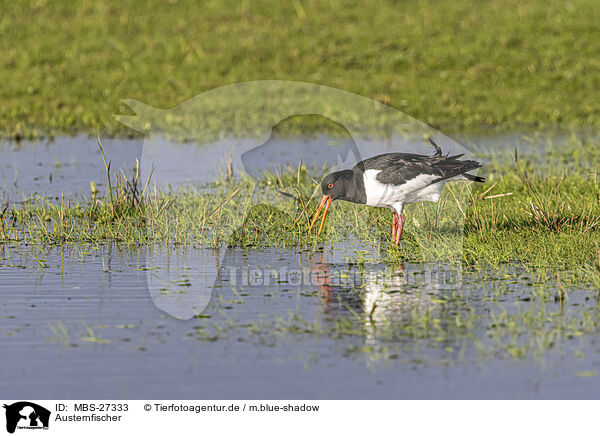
(474, 178)
(452, 166)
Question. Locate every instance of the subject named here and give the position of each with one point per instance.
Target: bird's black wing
(398, 168)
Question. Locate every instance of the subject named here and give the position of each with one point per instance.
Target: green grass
(66, 65)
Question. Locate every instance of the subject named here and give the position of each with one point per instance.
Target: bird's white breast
(413, 191)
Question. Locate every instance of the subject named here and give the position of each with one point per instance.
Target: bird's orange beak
(325, 201)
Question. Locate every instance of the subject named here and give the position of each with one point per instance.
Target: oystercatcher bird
(392, 180)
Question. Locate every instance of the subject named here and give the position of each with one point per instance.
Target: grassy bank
(526, 212)
(65, 66)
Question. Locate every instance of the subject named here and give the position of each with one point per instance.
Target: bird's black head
(338, 185)
(341, 185)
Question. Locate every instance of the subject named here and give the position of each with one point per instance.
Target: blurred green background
(64, 66)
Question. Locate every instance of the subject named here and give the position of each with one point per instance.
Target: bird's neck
(355, 186)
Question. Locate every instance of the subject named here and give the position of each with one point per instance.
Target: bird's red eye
(330, 185)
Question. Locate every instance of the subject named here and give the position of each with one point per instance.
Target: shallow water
(67, 165)
(81, 321)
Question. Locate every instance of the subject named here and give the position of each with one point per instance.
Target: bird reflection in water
(376, 294)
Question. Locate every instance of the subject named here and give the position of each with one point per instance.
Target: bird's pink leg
(399, 229)
(394, 225)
